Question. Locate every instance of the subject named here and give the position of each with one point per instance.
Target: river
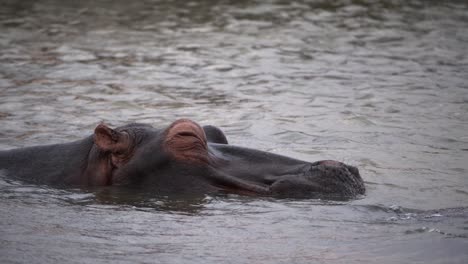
(381, 85)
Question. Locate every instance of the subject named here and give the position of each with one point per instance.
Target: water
(381, 85)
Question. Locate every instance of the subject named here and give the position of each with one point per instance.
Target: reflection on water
(377, 84)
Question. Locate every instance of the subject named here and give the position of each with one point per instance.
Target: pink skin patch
(186, 141)
(185, 127)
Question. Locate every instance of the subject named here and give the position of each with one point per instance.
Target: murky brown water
(382, 85)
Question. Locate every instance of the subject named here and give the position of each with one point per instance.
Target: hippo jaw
(257, 172)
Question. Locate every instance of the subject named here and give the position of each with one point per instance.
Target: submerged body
(182, 158)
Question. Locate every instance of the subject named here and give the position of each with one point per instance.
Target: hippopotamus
(183, 157)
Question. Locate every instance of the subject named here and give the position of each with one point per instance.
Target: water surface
(381, 85)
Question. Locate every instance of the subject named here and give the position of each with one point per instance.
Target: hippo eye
(187, 134)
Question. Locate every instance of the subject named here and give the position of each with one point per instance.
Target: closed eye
(187, 134)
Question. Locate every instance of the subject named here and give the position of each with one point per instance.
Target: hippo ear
(108, 139)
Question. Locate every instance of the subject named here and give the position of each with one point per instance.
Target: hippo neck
(53, 164)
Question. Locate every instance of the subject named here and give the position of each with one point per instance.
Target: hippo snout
(323, 179)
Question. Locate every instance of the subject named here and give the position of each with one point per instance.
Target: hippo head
(185, 157)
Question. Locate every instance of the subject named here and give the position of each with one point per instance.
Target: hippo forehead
(135, 127)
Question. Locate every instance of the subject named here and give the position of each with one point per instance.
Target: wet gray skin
(285, 177)
(380, 85)
(138, 155)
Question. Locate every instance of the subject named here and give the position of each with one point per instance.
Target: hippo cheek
(124, 176)
(148, 167)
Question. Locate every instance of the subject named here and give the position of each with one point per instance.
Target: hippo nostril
(353, 170)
